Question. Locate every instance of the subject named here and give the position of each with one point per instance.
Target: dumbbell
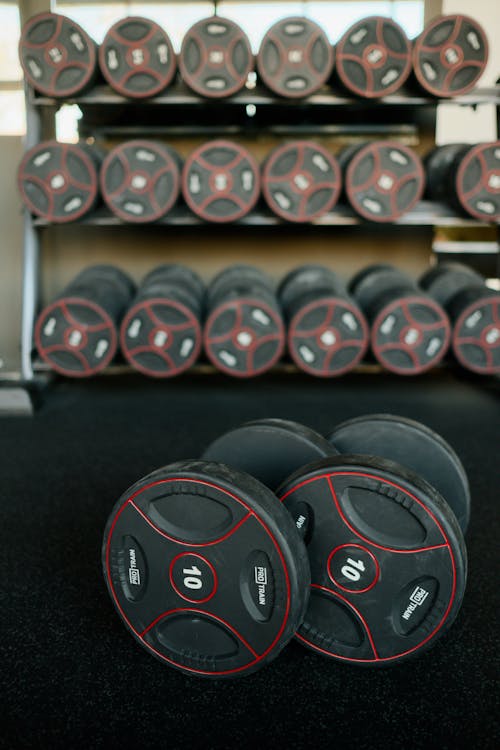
(220, 181)
(206, 569)
(373, 57)
(244, 332)
(474, 310)
(77, 333)
(410, 331)
(140, 180)
(466, 177)
(295, 57)
(382, 180)
(58, 57)
(137, 59)
(387, 554)
(161, 333)
(215, 58)
(301, 181)
(327, 332)
(450, 55)
(59, 181)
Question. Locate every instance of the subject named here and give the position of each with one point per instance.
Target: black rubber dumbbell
(467, 178)
(77, 334)
(161, 334)
(474, 310)
(244, 332)
(206, 569)
(327, 332)
(410, 331)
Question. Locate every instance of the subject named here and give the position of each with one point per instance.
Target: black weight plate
(269, 449)
(295, 58)
(410, 334)
(140, 181)
(477, 182)
(215, 58)
(137, 58)
(384, 180)
(445, 280)
(239, 276)
(75, 337)
(373, 57)
(450, 55)
(58, 181)
(220, 181)
(388, 560)
(103, 272)
(178, 274)
(413, 445)
(301, 181)
(206, 569)
(476, 334)
(244, 336)
(371, 283)
(58, 57)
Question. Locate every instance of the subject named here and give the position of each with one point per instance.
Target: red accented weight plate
(137, 58)
(58, 57)
(478, 182)
(476, 335)
(215, 58)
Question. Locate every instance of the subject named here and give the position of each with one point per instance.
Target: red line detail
(208, 563)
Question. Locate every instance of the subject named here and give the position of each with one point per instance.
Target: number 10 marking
(353, 569)
(191, 579)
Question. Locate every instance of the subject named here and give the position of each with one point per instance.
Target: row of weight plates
(244, 323)
(373, 58)
(140, 181)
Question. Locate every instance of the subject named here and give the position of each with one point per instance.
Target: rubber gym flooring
(73, 677)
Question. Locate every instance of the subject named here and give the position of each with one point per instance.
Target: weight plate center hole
(451, 56)
(139, 181)
(75, 338)
(386, 181)
(295, 56)
(328, 338)
(159, 338)
(244, 338)
(411, 336)
(491, 336)
(375, 56)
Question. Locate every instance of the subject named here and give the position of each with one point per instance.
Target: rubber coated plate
(215, 58)
(450, 55)
(160, 337)
(478, 182)
(388, 560)
(373, 58)
(220, 181)
(295, 57)
(58, 181)
(206, 569)
(328, 337)
(75, 337)
(410, 335)
(57, 56)
(269, 449)
(244, 336)
(137, 58)
(301, 181)
(413, 445)
(476, 335)
(384, 180)
(239, 276)
(140, 181)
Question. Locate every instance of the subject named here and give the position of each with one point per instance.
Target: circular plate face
(450, 55)
(206, 569)
(373, 58)
(414, 446)
(215, 58)
(220, 181)
(478, 182)
(328, 337)
(140, 181)
(269, 449)
(57, 56)
(137, 58)
(301, 181)
(384, 180)
(160, 337)
(244, 337)
(388, 561)
(75, 337)
(295, 57)
(476, 336)
(410, 335)
(58, 181)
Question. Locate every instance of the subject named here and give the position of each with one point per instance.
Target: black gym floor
(71, 674)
